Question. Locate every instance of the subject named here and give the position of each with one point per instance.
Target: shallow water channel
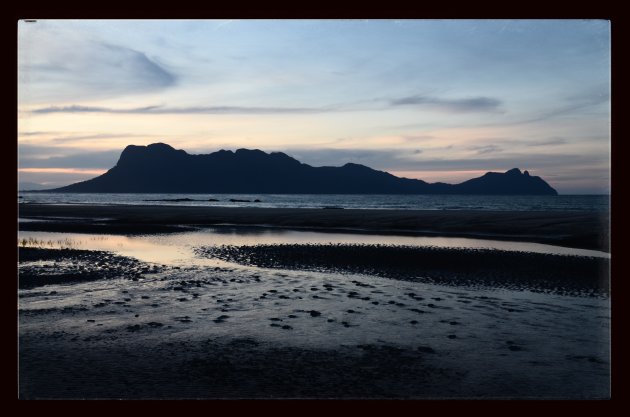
(177, 248)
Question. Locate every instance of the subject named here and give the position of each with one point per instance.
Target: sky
(438, 100)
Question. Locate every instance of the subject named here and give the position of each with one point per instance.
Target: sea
(597, 203)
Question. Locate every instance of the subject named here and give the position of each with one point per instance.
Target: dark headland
(159, 168)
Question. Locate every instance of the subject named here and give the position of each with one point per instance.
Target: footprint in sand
(592, 359)
(360, 284)
(221, 318)
(512, 346)
(425, 349)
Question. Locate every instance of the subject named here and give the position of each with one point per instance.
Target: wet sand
(150, 331)
(40, 267)
(318, 320)
(473, 268)
(585, 230)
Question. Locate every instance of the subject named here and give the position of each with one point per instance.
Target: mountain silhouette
(159, 168)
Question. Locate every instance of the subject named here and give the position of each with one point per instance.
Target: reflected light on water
(177, 249)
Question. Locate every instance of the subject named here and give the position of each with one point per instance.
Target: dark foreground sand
(122, 366)
(131, 330)
(585, 230)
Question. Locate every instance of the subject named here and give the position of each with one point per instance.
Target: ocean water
(361, 201)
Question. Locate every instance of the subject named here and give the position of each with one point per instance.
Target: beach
(315, 320)
(588, 230)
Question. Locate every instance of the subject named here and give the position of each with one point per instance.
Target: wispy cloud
(417, 138)
(480, 104)
(68, 136)
(485, 149)
(548, 142)
(136, 65)
(462, 105)
(71, 67)
(181, 110)
(71, 138)
(35, 133)
(577, 106)
(31, 159)
(568, 110)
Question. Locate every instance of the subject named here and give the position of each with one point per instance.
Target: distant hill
(159, 168)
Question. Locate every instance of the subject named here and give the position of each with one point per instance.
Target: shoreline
(583, 230)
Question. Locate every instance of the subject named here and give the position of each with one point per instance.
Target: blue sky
(440, 100)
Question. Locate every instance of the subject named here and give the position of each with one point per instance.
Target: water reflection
(178, 248)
